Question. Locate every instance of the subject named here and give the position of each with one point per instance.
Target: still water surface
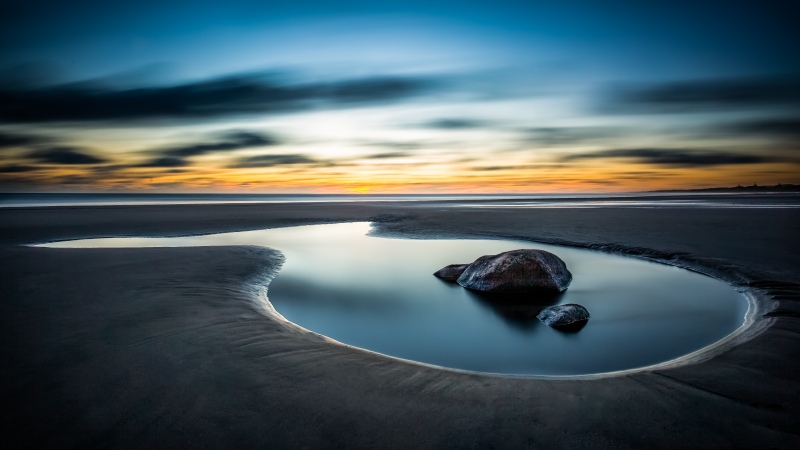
(379, 294)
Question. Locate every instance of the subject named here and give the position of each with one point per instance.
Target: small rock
(563, 315)
(451, 272)
(517, 272)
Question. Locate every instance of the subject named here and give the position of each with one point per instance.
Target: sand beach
(168, 347)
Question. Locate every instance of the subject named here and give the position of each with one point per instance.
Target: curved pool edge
(754, 322)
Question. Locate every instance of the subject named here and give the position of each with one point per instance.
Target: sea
(627, 200)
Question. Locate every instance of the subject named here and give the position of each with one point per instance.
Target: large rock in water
(563, 315)
(517, 272)
(451, 272)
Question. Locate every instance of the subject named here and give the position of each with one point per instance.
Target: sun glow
(360, 190)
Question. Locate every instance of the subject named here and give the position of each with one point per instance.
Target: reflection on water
(380, 294)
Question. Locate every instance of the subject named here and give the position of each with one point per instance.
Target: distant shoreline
(776, 188)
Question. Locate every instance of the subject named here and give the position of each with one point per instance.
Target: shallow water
(380, 294)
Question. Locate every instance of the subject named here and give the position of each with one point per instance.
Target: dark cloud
(108, 168)
(562, 136)
(388, 155)
(644, 174)
(19, 140)
(74, 179)
(227, 141)
(241, 94)
(64, 155)
(502, 168)
(273, 160)
(704, 95)
(17, 169)
(165, 161)
(776, 128)
(675, 157)
(221, 142)
(455, 124)
(494, 168)
(370, 90)
(400, 145)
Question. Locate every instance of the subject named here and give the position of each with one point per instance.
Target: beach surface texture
(178, 347)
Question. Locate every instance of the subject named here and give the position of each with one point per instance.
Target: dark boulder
(564, 315)
(451, 272)
(517, 272)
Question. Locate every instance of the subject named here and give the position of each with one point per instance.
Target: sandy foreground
(171, 346)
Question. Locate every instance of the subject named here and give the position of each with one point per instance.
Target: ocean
(627, 200)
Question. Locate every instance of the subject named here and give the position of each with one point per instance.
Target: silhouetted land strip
(744, 189)
(166, 347)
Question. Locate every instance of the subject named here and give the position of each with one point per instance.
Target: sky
(341, 97)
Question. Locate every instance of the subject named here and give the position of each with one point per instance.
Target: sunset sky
(397, 97)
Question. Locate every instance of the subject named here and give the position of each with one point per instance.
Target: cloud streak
(703, 95)
(774, 128)
(164, 161)
(388, 155)
(455, 124)
(564, 136)
(64, 155)
(8, 140)
(14, 168)
(669, 157)
(219, 97)
(273, 161)
(227, 141)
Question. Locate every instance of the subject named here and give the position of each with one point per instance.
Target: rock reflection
(517, 310)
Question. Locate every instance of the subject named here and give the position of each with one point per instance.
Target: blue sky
(431, 96)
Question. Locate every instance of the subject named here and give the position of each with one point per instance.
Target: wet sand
(171, 347)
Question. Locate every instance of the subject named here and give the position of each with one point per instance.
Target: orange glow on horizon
(407, 178)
